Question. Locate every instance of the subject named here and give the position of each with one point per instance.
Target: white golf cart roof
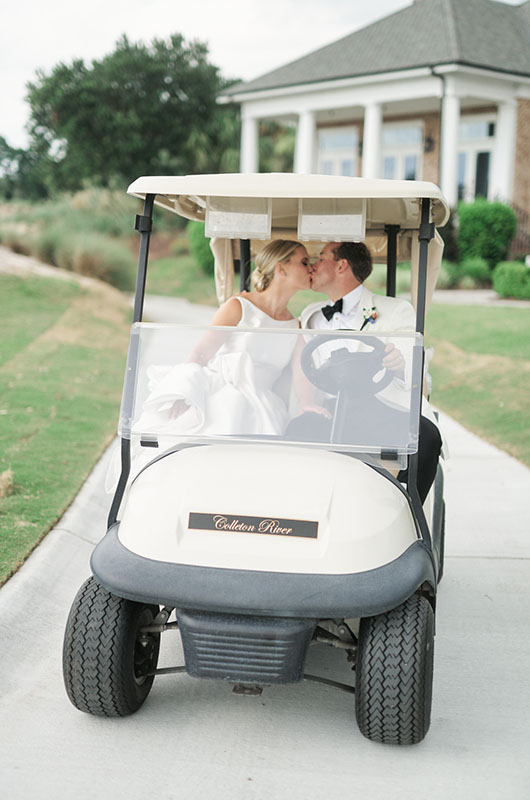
(388, 202)
(383, 202)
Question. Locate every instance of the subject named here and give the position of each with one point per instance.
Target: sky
(246, 38)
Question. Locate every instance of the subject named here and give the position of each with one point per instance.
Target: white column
(304, 153)
(504, 152)
(373, 121)
(249, 160)
(449, 147)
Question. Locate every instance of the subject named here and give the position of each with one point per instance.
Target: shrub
(449, 275)
(449, 234)
(200, 246)
(512, 279)
(88, 253)
(485, 230)
(477, 270)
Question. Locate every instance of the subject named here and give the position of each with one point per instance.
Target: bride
(228, 385)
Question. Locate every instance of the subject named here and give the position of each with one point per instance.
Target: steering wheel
(344, 369)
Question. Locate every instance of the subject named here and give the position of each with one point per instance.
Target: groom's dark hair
(358, 257)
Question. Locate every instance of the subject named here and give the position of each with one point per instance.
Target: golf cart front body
(261, 541)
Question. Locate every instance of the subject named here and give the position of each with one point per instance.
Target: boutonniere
(369, 315)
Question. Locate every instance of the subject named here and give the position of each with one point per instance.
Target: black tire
(105, 664)
(393, 685)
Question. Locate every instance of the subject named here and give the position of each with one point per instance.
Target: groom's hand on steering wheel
(393, 359)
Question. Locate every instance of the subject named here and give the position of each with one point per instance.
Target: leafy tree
(143, 109)
(276, 146)
(24, 173)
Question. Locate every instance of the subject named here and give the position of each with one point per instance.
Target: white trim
(377, 77)
(341, 83)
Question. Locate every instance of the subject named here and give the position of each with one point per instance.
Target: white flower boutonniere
(369, 315)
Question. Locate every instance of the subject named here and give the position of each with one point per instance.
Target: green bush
(449, 275)
(200, 246)
(88, 233)
(485, 230)
(512, 279)
(449, 234)
(477, 269)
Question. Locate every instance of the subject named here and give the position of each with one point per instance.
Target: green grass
(481, 371)
(179, 276)
(62, 361)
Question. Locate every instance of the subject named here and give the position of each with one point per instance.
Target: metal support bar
(143, 224)
(244, 264)
(426, 233)
(120, 489)
(391, 259)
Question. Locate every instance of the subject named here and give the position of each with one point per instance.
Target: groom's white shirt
(392, 315)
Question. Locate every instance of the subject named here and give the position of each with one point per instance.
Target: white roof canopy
(388, 202)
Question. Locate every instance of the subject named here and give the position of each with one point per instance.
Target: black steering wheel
(344, 369)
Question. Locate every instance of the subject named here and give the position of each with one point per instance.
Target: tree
(276, 146)
(136, 111)
(23, 173)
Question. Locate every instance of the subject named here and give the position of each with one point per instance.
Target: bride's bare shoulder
(229, 313)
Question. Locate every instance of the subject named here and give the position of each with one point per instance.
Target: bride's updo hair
(267, 258)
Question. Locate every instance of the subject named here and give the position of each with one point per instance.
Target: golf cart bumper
(249, 592)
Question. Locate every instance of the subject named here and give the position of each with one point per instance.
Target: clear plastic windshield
(279, 385)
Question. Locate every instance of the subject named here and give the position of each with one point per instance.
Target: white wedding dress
(234, 394)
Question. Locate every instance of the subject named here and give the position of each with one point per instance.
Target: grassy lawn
(62, 355)
(179, 276)
(481, 371)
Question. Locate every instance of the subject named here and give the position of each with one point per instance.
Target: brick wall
(521, 181)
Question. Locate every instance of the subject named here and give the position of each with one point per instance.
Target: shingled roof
(478, 33)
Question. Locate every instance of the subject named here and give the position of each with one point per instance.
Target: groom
(340, 271)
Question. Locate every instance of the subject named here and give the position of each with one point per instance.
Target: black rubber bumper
(282, 594)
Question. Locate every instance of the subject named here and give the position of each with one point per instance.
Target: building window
(476, 138)
(401, 150)
(338, 151)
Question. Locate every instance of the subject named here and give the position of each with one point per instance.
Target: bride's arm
(228, 315)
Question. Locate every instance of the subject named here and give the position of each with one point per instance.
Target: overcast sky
(246, 38)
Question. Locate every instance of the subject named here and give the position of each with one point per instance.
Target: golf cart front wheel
(393, 686)
(107, 660)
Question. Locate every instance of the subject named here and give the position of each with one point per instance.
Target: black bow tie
(328, 311)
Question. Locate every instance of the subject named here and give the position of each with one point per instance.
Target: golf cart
(256, 544)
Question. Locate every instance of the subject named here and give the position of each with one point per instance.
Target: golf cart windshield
(206, 384)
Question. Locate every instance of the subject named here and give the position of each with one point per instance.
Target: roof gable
(480, 33)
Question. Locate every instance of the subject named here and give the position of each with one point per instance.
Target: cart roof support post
(426, 233)
(391, 259)
(244, 264)
(143, 224)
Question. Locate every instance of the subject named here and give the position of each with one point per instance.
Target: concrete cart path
(195, 739)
